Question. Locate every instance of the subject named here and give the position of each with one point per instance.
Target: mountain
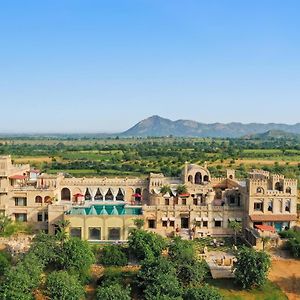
(158, 126)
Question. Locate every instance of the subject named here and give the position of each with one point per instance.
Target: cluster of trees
(65, 263)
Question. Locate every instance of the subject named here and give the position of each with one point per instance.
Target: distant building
(101, 209)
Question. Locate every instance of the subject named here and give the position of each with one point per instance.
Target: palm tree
(165, 189)
(61, 234)
(181, 189)
(236, 227)
(139, 223)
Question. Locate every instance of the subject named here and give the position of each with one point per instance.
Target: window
(288, 190)
(46, 217)
(176, 201)
(94, 233)
(205, 223)
(20, 202)
(183, 201)
(165, 223)
(172, 223)
(288, 205)
(167, 201)
(258, 206)
(75, 232)
(38, 199)
(21, 217)
(259, 190)
(218, 223)
(195, 201)
(114, 233)
(151, 223)
(270, 206)
(40, 217)
(198, 223)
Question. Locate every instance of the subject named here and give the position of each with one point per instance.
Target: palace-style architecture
(101, 209)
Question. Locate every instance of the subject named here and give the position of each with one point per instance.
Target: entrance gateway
(185, 222)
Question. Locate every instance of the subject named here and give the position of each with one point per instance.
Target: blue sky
(101, 66)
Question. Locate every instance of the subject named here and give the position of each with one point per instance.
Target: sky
(102, 66)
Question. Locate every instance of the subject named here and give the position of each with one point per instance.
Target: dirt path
(286, 274)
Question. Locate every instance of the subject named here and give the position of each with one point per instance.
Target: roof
(273, 218)
(18, 177)
(265, 228)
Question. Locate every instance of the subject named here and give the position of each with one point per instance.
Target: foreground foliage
(251, 268)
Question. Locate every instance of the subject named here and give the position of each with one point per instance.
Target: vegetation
(251, 268)
(60, 285)
(113, 255)
(202, 293)
(237, 228)
(293, 243)
(145, 245)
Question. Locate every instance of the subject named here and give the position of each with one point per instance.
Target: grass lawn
(231, 292)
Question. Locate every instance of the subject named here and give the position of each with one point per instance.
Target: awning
(265, 228)
(172, 218)
(238, 219)
(198, 219)
(184, 195)
(231, 219)
(167, 195)
(205, 219)
(273, 218)
(164, 218)
(218, 219)
(18, 177)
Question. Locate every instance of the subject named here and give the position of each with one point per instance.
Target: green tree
(157, 278)
(61, 234)
(113, 292)
(251, 268)
(236, 227)
(4, 223)
(202, 293)
(77, 256)
(61, 285)
(113, 255)
(181, 189)
(139, 223)
(143, 244)
(4, 262)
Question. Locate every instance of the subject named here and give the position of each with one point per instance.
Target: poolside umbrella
(77, 195)
(137, 195)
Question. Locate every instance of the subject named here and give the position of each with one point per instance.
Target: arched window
(138, 194)
(270, 205)
(230, 177)
(198, 178)
(190, 179)
(120, 196)
(259, 190)
(98, 196)
(87, 195)
(38, 199)
(288, 190)
(288, 205)
(109, 195)
(48, 199)
(278, 186)
(205, 178)
(65, 194)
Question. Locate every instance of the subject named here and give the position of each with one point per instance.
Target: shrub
(113, 255)
(4, 262)
(143, 244)
(202, 293)
(62, 286)
(113, 292)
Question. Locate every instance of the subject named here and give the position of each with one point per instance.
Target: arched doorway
(65, 194)
(120, 195)
(205, 178)
(98, 196)
(198, 178)
(109, 195)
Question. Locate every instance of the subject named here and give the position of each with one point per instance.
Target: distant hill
(158, 126)
(274, 134)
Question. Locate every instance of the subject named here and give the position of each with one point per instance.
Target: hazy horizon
(102, 66)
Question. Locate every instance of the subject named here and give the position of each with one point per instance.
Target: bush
(62, 286)
(143, 244)
(251, 268)
(20, 281)
(202, 293)
(113, 292)
(111, 276)
(76, 256)
(113, 255)
(4, 262)
(181, 251)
